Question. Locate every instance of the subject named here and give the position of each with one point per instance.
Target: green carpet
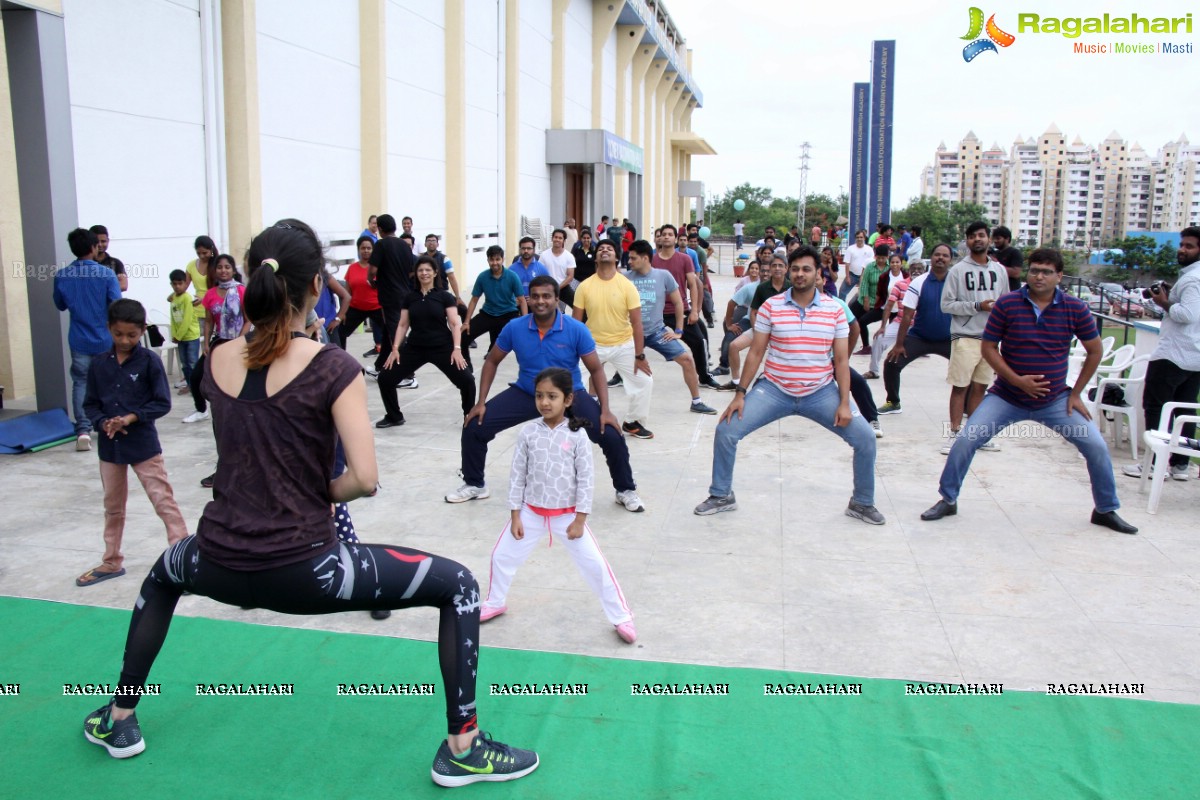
(608, 743)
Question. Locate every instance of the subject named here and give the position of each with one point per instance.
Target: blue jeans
(189, 353)
(79, 372)
(995, 414)
(850, 282)
(766, 403)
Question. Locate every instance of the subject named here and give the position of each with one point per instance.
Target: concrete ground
(1019, 588)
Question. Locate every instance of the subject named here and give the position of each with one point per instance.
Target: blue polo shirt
(501, 293)
(567, 341)
(86, 289)
(931, 323)
(1037, 342)
(527, 275)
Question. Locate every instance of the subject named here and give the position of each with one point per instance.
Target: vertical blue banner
(860, 126)
(883, 78)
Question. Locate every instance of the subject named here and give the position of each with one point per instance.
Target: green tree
(940, 220)
(1166, 262)
(1136, 254)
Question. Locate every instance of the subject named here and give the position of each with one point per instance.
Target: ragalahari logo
(995, 36)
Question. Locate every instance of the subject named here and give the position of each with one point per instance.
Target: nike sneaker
(488, 760)
(122, 738)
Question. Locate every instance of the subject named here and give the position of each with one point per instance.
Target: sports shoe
(83, 443)
(711, 384)
(629, 498)
(868, 514)
(370, 373)
(991, 446)
(627, 632)
(488, 760)
(122, 739)
(181, 384)
(878, 430)
(196, 416)
(468, 492)
(720, 371)
(1132, 470)
(1179, 472)
(948, 445)
(615, 380)
(728, 386)
(636, 430)
(491, 612)
(374, 351)
(890, 408)
(700, 407)
(207, 483)
(408, 383)
(714, 505)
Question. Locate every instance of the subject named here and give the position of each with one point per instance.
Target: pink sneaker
(490, 612)
(627, 632)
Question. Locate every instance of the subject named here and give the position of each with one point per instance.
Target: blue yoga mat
(22, 434)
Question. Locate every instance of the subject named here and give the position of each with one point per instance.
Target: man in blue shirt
(543, 338)
(526, 265)
(924, 327)
(505, 300)
(85, 289)
(1027, 341)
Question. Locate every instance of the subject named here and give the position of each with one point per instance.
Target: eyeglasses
(1042, 273)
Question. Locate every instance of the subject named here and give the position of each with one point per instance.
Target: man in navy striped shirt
(1027, 342)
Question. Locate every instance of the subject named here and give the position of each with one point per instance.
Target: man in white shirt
(916, 250)
(856, 257)
(739, 230)
(560, 264)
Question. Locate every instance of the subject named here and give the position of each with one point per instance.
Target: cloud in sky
(775, 74)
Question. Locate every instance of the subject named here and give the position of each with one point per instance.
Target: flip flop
(94, 576)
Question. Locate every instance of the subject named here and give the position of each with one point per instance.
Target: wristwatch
(679, 331)
(739, 389)
(640, 356)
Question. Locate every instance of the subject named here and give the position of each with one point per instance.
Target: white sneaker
(181, 383)
(408, 383)
(83, 443)
(878, 430)
(1179, 472)
(948, 445)
(197, 416)
(629, 498)
(468, 492)
(991, 446)
(1132, 470)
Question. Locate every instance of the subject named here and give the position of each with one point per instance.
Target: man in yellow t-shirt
(614, 317)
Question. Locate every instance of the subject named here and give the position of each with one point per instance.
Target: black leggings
(354, 318)
(412, 358)
(351, 577)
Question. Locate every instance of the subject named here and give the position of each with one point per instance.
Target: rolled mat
(34, 432)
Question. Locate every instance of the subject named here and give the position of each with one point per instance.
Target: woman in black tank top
(266, 540)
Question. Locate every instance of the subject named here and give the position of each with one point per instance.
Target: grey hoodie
(967, 284)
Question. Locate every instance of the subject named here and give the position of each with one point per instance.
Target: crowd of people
(264, 358)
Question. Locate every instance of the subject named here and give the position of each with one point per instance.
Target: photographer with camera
(1174, 370)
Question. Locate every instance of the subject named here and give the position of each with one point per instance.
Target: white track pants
(510, 553)
(637, 385)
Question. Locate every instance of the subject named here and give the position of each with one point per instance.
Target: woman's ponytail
(282, 262)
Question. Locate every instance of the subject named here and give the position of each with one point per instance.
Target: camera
(1155, 288)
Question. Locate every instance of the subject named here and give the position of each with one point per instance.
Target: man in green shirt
(867, 288)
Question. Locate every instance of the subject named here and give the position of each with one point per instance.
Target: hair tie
(270, 262)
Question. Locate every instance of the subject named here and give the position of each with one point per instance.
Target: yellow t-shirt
(608, 304)
(199, 280)
(185, 326)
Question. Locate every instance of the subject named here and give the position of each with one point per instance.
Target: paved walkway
(1019, 588)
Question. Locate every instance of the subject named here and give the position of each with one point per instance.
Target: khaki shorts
(967, 364)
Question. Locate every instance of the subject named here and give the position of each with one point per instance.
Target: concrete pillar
(243, 161)
(455, 243)
(372, 57)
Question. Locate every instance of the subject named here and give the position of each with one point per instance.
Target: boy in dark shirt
(126, 391)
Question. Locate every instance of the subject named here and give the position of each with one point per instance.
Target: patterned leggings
(351, 577)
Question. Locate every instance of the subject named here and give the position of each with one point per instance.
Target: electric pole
(800, 205)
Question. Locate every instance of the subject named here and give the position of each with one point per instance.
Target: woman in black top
(433, 328)
(280, 400)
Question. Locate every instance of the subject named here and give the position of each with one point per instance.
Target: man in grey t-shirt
(654, 287)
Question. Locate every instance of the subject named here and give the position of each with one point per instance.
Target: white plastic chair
(1111, 361)
(167, 351)
(1160, 446)
(1126, 415)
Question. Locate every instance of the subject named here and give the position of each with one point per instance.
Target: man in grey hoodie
(973, 285)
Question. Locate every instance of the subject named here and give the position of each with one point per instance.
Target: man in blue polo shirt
(543, 338)
(1027, 342)
(85, 288)
(924, 327)
(526, 264)
(505, 300)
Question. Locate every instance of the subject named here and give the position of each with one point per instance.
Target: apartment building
(1077, 194)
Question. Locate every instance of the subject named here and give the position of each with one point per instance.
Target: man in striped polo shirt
(1027, 342)
(804, 335)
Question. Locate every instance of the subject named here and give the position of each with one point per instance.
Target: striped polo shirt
(800, 351)
(1037, 342)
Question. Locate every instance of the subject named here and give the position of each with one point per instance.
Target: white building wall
(137, 117)
(416, 115)
(608, 85)
(536, 38)
(577, 66)
(309, 114)
(485, 132)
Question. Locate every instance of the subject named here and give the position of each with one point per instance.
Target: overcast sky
(775, 74)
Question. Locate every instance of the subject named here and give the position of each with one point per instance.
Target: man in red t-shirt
(683, 321)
